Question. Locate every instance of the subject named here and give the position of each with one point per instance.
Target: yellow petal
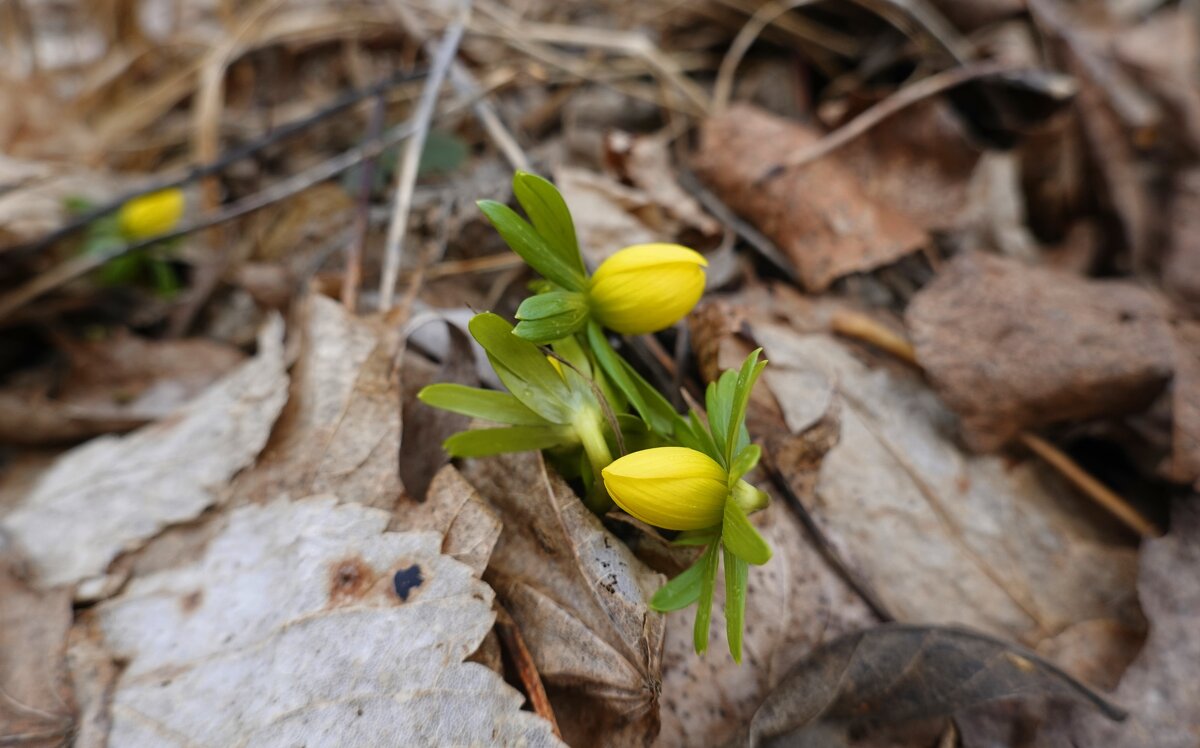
(152, 214)
(647, 287)
(671, 487)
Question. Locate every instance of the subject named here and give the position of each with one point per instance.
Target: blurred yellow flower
(647, 287)
(671, 487)
(151, 214)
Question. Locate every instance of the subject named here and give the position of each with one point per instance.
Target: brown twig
(863, 328)
(902, 99)
(522, 660)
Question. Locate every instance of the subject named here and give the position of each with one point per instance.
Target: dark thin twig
(824, 547)
(199, 171)
(902, 99)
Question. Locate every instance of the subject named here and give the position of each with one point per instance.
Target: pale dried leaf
(608, 215)
(941, 536)
(36, 702)
(1162, 686)
(340, 430)
(306, 623)
(114, 493)
(579, 597)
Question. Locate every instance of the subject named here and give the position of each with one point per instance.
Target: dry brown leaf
(1010, 347)
(940, 536)
(340, 430)
(306, 623)
(469, 527)
(819, 214)
(113, 494)
(36, 701)
(1162, 687)
(579, 597)
(918, 162)
(902, 673)
(113, 385)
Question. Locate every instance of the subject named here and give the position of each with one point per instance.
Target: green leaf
(523, 368)
(745, 461)
(532, 247)
(708, 582)
(697, 537)
(544, 205)
(487, 442)
(740, 537)
(443, 152)
(740, 398)
(550, 316)
(551, 305)
(501, 407)
(681, 591)
(650, 405)
(718, 400)
(737, 572)
(701, 436)
(543, 331)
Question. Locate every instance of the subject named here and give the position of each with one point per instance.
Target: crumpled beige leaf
(305, 623)
(340, 429)
(941, 536)
(579, 596)
(36, 703)
(114, 493)
(1161, 688)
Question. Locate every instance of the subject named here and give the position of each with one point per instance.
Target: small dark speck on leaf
(406, 580)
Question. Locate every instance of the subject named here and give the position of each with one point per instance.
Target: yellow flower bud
(647, 287)
(671, 487)
(151, 214)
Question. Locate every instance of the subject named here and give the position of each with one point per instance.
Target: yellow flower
(671, 487)
(647, 287)
(151, 214)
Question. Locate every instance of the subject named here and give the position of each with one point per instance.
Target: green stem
(591, 435)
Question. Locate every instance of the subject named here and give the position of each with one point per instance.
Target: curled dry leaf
(897, 673)
(1162, 686)
(646, 162)
(818, 214)
(114, 493)
(306, 623)
(579, 597)
(941, 536)
(112, 385)
(1010, 347)
(340, 430)
(36, 702)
